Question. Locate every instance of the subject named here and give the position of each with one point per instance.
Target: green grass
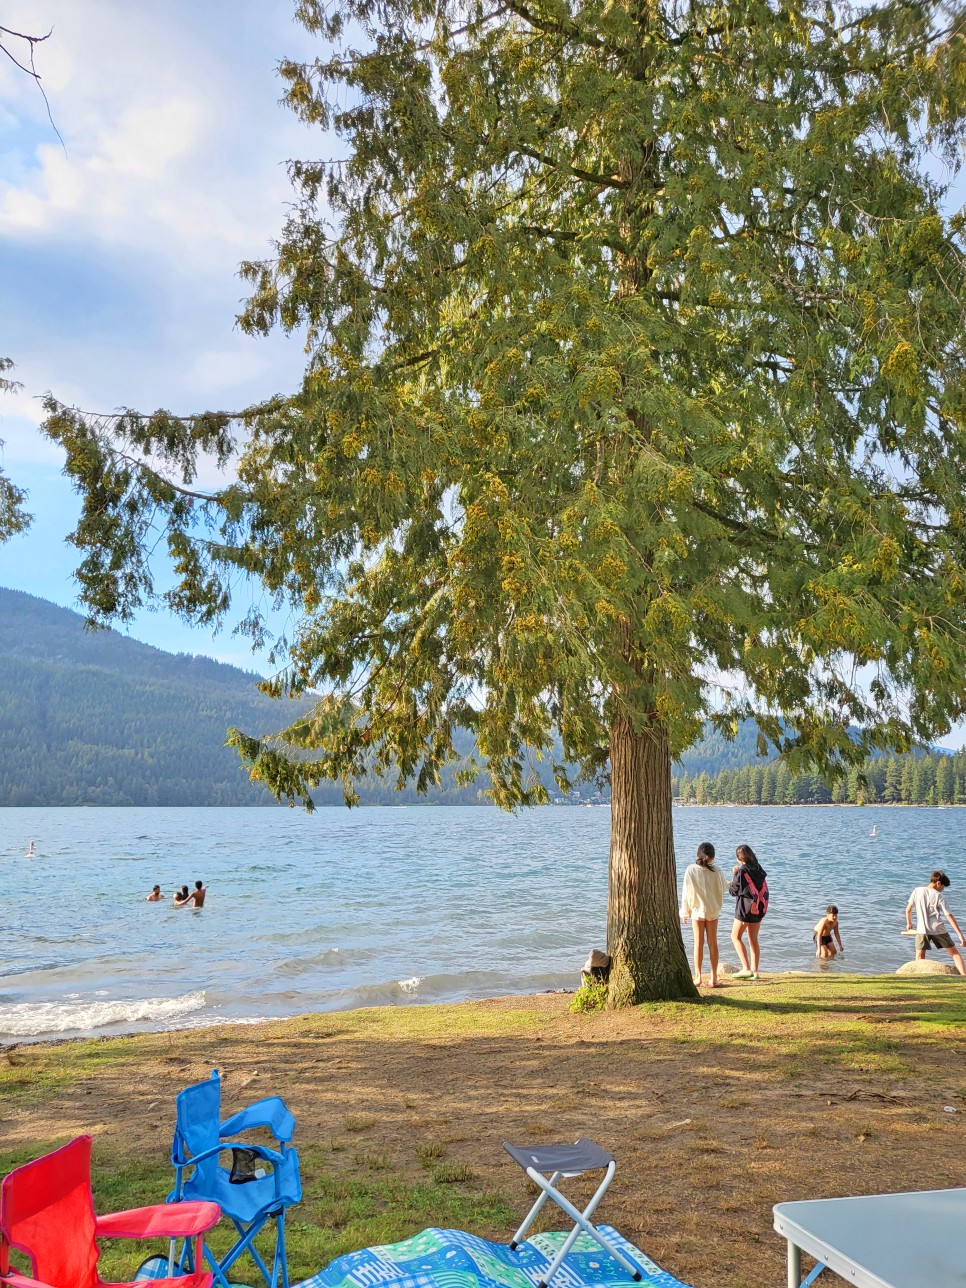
(31, 1074)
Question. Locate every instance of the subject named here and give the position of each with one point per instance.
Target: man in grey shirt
(932, 912)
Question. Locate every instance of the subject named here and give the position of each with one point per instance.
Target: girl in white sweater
(701, 900)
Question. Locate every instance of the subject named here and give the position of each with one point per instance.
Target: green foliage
(13, 517)
(590, 997)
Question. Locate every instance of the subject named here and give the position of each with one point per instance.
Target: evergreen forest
(936, 778)
(97, 718)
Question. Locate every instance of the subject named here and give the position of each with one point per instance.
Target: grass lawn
(792, 1087)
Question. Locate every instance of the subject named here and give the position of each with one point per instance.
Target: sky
(119, 251)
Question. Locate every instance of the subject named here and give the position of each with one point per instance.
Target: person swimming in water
(155, 896)
(181, 897)
(31, 852)
(197, 896)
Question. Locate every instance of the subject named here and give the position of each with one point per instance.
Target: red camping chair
(47, 1212)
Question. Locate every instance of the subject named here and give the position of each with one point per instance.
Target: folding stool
(539, 1161)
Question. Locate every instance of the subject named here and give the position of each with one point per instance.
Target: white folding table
(879, 1241)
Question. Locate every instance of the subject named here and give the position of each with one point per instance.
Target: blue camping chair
(247, 1192)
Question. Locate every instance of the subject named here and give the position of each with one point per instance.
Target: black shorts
(932, 941)
(826, 940)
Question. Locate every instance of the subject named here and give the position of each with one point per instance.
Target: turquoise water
(390, 906)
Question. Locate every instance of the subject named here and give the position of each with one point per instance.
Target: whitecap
(41, 1019)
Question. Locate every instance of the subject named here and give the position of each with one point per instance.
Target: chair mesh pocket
(245, 1166)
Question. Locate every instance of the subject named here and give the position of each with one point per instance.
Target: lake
(367, 907)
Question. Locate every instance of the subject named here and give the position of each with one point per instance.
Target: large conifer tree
(635, 396)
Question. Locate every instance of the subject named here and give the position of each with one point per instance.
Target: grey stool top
(570, 1160)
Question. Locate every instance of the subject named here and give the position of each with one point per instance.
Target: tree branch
(31, 70)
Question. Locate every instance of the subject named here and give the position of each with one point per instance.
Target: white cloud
(120, 283)
(172, 129)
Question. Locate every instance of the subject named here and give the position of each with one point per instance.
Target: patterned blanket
(454, 1259)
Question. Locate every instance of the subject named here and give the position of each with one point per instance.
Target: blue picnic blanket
(455, 1259)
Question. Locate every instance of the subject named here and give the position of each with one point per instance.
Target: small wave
(40, 1019)
(410, 985)
(328, 960)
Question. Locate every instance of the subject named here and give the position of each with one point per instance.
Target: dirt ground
(765, 1093)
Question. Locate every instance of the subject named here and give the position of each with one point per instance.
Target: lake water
(391, 906)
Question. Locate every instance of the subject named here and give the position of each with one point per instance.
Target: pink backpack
(759, 905)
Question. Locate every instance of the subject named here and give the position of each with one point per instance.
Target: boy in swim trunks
(823, 932)
(931, 908)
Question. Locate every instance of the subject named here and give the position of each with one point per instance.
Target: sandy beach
(790, 1088)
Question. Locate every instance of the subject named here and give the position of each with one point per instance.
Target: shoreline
(254, 1023)
(448, 804)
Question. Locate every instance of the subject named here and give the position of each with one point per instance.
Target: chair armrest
(16, 1280)
(165, 1221)
(270, 1113)
(261, 1150)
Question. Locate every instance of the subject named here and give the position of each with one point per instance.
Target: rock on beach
(926, 967)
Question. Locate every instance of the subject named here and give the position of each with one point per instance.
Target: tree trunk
(648, 961)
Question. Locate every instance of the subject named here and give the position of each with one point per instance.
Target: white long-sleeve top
(703, 893)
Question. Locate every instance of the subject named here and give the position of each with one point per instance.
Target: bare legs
(747, 956)
(699, 936)
(753, 949)
(954, 954)
(712, 932)
(705, 932)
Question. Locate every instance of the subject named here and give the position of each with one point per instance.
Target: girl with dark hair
(750, 889)
(701, 899)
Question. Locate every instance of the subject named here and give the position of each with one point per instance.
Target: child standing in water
(749, 887)
(823, 932)
(701, 899)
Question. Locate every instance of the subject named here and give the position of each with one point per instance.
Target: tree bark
(648, 960)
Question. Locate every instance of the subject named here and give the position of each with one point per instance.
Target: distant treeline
(933, 779)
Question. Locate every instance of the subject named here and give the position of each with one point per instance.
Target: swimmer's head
(198, 885)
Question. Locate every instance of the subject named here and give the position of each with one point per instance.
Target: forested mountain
(95, 718)
(715, 753)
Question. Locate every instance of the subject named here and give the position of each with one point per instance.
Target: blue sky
(119, 259)
(119, 281)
